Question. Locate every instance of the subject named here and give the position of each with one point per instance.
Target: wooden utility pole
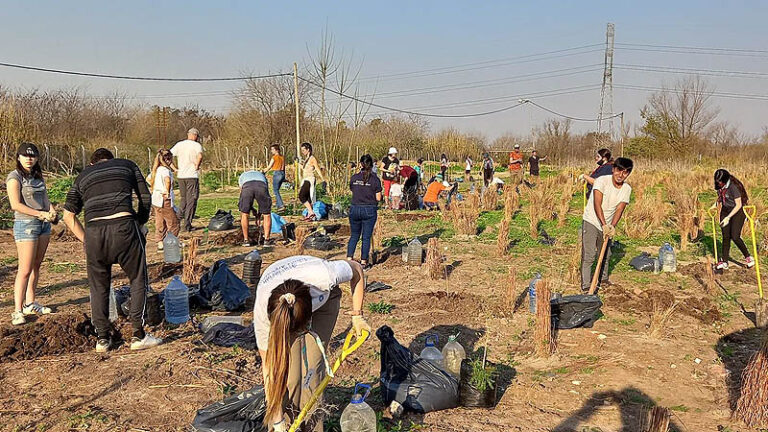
(298, 130)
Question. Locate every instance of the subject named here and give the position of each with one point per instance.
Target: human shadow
(449, 268)
(633, 407)
(735, 350)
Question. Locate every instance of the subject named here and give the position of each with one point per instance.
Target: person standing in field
(533, 163)
(114, 234)
(277, 165)
(389, 165)
(487, 170)
(516, 166)
(444, 165)
(366, 194)
(396, 193)
(601, 216)
(253, 187)
(309, 168)
(32, 217)
(604, 162)
(731, 198)
(467, 168)
(189, 154)
(161, 182)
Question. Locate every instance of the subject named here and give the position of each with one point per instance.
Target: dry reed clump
(752, 406)
(489, 199)
(502, 240)
(377, 238)
(192, 270)
(660, 317)
(543, 335)
(574, 266)
(645, 216)
(464, 214)
(510, 292)
(302, 232)
(711, 283)
(434, 259)
(541, 204)
(656, 420)
(686, 214)
(511, 202)
(567, 190)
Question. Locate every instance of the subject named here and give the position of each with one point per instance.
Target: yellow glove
(359, 324)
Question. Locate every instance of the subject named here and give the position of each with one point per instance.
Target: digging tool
(761, 308)
(347, 349)
(596, 276)
(584, 194)
(712, 212)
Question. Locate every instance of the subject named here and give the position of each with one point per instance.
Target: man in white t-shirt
(189, 154)
(610, 196)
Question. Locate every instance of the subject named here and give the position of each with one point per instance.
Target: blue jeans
(278, 177)
(362, 219)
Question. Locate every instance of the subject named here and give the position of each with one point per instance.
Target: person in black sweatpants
(113, 234)
(731, 197)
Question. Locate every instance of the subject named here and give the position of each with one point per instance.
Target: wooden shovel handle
(596, 276)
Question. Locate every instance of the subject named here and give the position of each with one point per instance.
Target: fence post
(82, 148)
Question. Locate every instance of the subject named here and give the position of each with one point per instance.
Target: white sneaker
(102, 345)
(149, 341)
(17, 318)
(35, 308)
(749, 261)
(722, 265)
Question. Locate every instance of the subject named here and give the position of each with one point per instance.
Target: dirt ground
(599, 379)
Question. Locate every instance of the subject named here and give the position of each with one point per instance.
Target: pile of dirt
(440, 302)
(231, 237)
(50, 335)
(60, 233)
(163, 270)
(700, 308)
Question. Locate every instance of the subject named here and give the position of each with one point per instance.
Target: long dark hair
(307, 146)
(605, 154)
(34, 172)
(723, 176)
(289, 309)
(366, 166)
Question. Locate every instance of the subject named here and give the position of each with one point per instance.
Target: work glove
(713, 207)
(281, 426)
(608, 231)
(359, 324)
(581, 177)
(726, 220)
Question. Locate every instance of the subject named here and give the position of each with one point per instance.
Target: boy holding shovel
(610, 196)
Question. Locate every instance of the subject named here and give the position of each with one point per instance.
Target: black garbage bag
(546, 239)
(416, 384)
(122, 295)
(221, 221)
(471, 396)
(153, 312)
(377, 286)
(231, 334)
(243, 412)
(289, 231)
(642, 262)
(220, 289)
(321, 242)
(575, 311)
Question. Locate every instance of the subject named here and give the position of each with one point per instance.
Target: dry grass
(686, 205)
(656, 420)
(502, 240)
(489, 199)
(192, 270)
(510, 291)
(711, 282)
(378, 234)
(574, 265)
(660, 318)
(567, 189)
(302, 232)
(645, 216)
(434, 262)
(511, 202)
(752, 406)
(464, 214)
(541, 204)
(544, 340)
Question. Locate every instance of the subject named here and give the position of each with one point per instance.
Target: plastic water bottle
(213, 320)
(453, 354)
(358, 416)
(171, 249)
(430, 351)
(532, 292)
(252, 268)
(404, 254)
(112, 304)
(414, 252)
(669, 263)
(176, 302)
(656, 266)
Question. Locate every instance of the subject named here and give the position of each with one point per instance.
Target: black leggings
(304, 192)
(732, 231)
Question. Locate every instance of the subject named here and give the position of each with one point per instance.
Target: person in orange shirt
(433, 192)
(516, 166)
(277, 165)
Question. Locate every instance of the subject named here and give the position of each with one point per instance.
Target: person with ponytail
(309, 168)
(366, 194)
(604, 161)
(297, 305)
(161, 184)
(731, 198)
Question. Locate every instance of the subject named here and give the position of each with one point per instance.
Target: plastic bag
(220, 289)
(471, 396)
(230, 334)
(221, 221)
(377, 286)
(546, 239)
(277, 223)
(153, 312)
(575, 311)
(320, 209)
(321, 242)
(416, 384)
(243, 412)
(642, 262)
(289, 231)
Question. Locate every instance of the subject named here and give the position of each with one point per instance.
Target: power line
(570, 117)
(711, 72)
(729, 95)
(738, 50)
(138, 78)
(684, 51)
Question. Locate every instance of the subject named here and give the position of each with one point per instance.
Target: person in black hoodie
(731, 198)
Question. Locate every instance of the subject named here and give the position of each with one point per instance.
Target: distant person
(419, 168)
(253, 187)
(410, 181)
(310, 168)
(161, 181)
(533, 163)
(444, 165)
(189, 154)
(363, 212)
(488, 169)
(434, 189)
(467, 168)
(32, 217)
(114, 234)
(601, 216)
(731, 197)
(396, 193)
(277, 165)
(389, 165)
(604, 162)
(516, 166)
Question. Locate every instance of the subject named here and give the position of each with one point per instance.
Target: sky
(435, 57)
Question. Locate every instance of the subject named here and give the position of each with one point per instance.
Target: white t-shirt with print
(321, 276)
(612, 197)
(186, 152)
(158, 186)
(396, 190)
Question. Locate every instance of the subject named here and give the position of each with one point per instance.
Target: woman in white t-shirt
(296, 308)
(161, 182)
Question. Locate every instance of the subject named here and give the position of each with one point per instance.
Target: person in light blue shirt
(253, 187)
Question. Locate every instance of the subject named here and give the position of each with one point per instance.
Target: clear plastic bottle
(669, 263)
(532, 292)
(358, 416)
(453, 354)
(171, 249)
(430, 351)
(176, 299)
(414, 252)
(252, 268)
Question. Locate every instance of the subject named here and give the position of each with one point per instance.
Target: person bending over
(253, 187)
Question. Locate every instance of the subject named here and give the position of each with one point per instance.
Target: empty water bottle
(213, 320)
(453, 354)
(669, 260)
(176, 299)
(171, 249)
(404, 254)
(656, 266)
(430, 351)
(358, 416)
(532, 292)
(252, 268)
(112, 304)
(414, 252)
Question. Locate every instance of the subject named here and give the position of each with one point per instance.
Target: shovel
(596, 276)
(761, 308)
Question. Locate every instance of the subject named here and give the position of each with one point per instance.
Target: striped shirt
(106, 188)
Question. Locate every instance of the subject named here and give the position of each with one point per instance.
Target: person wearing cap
(389, 165)
(253, 187)
(189, 154)
(433, 192)
(516, 166)
(32, 217)
(114, 234)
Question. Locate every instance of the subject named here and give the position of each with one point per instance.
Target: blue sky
(225, 38)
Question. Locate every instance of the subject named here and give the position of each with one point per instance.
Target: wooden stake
(596, 276)
(658, 420)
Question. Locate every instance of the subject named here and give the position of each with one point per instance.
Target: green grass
(380, 307)
(207, 206)
(9, 260)
(679, 408)
(84, 421)
(64, 267)
(58, 188)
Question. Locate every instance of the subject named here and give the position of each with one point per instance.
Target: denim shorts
(25, 230)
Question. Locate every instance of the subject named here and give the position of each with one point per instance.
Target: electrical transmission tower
(606, 94)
